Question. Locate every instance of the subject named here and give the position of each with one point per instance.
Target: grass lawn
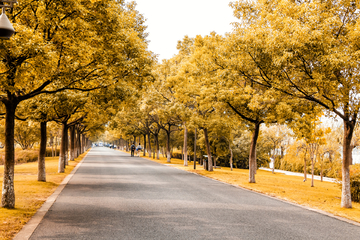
(30, 194)
(324, 196)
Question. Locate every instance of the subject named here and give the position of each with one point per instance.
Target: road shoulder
(32, 224)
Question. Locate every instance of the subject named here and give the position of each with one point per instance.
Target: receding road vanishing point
(115, 196)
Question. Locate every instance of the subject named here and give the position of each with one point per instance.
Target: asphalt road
(115, 196)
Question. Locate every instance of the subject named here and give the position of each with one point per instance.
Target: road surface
(115, 196)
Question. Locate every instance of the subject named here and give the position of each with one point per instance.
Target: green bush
(355, 182)
(355, 191)
(177, 155)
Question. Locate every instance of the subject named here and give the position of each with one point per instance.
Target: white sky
(169, 21)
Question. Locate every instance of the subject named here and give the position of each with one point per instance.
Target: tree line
(70, 62)
(285, 62)
(86, 66)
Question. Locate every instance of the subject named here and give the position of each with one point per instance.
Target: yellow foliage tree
(65, 45)
(308, 50)
(308, 128)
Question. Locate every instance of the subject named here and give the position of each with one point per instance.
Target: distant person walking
(138, 149)
(132, 149)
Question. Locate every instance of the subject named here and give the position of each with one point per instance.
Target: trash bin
(206, 162)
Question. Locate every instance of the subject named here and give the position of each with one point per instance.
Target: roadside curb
(28, 229)
(285, 201)
(269, 196)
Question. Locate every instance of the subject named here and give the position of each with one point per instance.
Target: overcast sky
(169, 21)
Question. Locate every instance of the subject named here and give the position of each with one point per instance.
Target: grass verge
(323, 196)
(30, 194)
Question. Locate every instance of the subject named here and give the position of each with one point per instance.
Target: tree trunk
(210, 165)
(145, 144)
(81, 144)
(84, 143)
(312, 171)
(252, 156)
(87, 143)
(72, 143)
(156, 136)
(55, 146)
(52, 145)
(346, 191)
(149, 145)
(321, 173)
(42, 153)
(195, 149)
(76, 143)
(305, 171)
(8, 193)
(168, 155)
(273, 160)
(185, 146)
(231, 157)
(67, 146)
(62, 154)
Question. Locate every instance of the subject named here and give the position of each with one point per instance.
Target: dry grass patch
(30, 194)
(324, 196)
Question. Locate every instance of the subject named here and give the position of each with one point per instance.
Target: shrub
(355, 191)
(49, 152)
(24, 156)
(177, 155)
(355, 182)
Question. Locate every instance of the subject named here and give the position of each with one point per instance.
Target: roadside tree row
(284, 60)
(68, 62)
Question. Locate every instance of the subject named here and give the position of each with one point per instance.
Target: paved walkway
(115, 196)
(316, 177)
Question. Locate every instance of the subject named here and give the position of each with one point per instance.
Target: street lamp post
(6, 29)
